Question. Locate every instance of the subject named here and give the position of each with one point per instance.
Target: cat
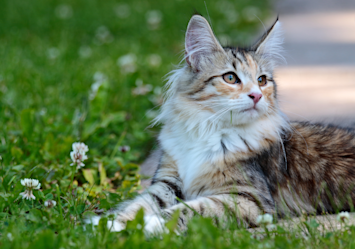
(228, 149)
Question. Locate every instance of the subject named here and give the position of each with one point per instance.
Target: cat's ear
(270, 44)
(199, 41)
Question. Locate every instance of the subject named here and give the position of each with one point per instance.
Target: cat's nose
(255, 97)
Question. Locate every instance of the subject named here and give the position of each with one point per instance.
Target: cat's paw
(154, 224)
(93, 220)
(113, 226)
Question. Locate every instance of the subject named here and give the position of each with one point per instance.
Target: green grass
(64, 77)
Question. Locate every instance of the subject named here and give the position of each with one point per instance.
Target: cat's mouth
(253, 108)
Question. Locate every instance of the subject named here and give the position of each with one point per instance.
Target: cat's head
(224, 85)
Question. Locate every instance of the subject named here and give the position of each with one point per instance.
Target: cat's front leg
(161, 194)
(158, 196)
(166, 186)
(215, 206)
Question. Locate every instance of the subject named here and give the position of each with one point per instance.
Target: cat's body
(227, 149)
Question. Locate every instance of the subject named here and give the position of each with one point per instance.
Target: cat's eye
(231, 78)
(262, 80)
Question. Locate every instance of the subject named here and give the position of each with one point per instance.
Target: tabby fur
(224, 154)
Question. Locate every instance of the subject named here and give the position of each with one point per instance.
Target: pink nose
(255, 97)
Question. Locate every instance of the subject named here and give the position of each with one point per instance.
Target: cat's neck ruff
(199, 147)
(188, 121)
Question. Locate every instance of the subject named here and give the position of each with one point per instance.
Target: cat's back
(323, 140)
(320, 153)
(313, 162)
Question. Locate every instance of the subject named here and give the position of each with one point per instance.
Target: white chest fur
(196, 155)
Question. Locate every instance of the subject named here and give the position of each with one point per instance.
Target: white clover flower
(30, 184)
(154, 60)
(124, 148)
(127, 63)
(265, 219)
(157, 98)
(80, 147)
(154, 18)
(141, 89)
(94, 89)
(343, 217)
(99, 77)
(50, 203)
(78, 154)
(10, 237)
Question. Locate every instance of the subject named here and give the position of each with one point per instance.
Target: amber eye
(231, 78)
(262, 80)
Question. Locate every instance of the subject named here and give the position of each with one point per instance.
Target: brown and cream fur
(223, 153)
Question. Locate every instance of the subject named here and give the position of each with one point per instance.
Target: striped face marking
(238, 81)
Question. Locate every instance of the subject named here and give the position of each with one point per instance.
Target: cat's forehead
(243, 58)
(248, 61)
(241, 55)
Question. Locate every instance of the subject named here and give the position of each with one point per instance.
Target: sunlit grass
(92, 72)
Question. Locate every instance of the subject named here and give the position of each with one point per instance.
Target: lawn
(93, 71)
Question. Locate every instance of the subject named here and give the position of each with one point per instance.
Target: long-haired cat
(227, 148)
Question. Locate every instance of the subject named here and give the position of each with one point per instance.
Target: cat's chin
(252, 113)
(246, 117)
(250, 110)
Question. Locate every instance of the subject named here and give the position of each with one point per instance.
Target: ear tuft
(270, 44)
(199, 41)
